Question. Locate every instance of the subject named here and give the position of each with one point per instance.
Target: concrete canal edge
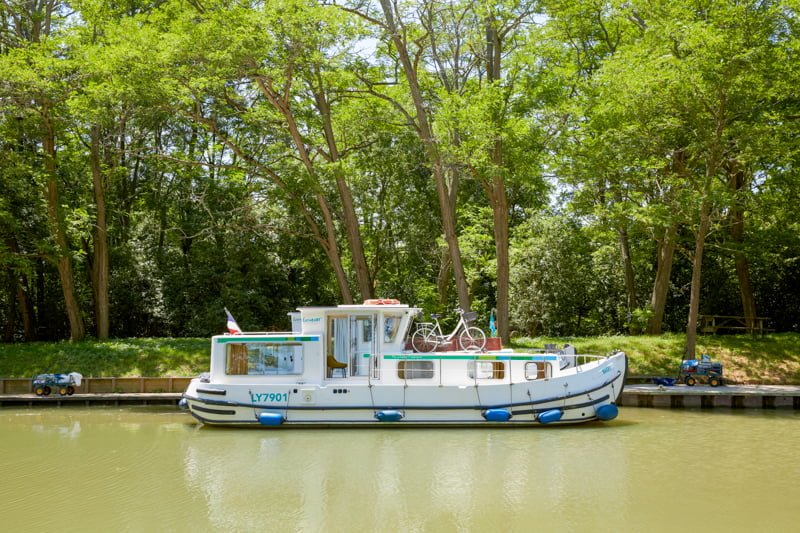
(168, 391)
(704, 396)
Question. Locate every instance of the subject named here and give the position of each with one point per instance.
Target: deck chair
(333, 364)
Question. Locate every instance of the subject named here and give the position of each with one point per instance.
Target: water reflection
(411, 479)
(122, 469)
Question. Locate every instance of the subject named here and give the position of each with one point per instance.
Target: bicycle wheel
(472, 339)
(424, 340)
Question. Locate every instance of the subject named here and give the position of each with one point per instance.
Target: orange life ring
(381, 301)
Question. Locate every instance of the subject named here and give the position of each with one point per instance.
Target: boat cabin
(326, 342)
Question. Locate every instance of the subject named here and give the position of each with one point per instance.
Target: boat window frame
(298, 358)
(496, 370)
(544, 370)
(403, 371)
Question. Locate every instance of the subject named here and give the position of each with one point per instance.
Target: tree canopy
(575, 167)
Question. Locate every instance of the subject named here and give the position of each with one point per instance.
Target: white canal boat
(352, 366)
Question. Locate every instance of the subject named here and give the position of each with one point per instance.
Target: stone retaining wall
(104, 385)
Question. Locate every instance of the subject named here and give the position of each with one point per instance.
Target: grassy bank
(772, 359)
(113, 358)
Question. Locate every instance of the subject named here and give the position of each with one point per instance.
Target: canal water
(154, 469)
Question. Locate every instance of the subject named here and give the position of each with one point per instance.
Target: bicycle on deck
(428, 336)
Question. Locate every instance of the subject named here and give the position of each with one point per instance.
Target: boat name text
(269, 397)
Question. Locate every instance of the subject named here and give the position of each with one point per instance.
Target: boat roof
(385, 304)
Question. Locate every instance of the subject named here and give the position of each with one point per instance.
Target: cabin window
(486, 369)
(255, 359)
(415, 369)
(366, 329)
(537, 370)
(391, 325)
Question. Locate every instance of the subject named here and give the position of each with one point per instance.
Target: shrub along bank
(771, 359)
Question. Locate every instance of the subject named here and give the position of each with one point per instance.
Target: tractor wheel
(690, 381)
(46, 390)
(39, 391)
(70, 390)
(714, 382)
(62, 391)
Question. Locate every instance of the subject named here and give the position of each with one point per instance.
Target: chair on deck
(333, 364)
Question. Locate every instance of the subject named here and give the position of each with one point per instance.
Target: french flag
(233, 327)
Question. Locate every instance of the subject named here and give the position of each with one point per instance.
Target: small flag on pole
(233, 327)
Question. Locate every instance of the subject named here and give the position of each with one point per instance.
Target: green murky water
(153, 469)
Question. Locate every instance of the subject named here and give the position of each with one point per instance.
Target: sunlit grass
(771, 359)
(150, 357)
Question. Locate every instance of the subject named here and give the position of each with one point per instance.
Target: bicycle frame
(437, 328)
(428, 335)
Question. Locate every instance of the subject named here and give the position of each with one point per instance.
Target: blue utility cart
(702, 371)
(64, 384)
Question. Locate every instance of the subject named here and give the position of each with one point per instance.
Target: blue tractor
(64, 384)
(702, 371)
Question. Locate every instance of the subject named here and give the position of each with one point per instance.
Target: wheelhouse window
(415, 369)
(264, 358)
(537, 370)
(486, 369)
(391, 325)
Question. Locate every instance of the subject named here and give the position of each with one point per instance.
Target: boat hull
(582, 395)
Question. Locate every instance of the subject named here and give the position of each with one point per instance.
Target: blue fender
(553, 415)
(270, 419)
(389, 415)
(608, 411)
(496, 415)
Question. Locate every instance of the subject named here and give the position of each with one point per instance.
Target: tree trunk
(26, 309)
(658, 298)
(100, 267)
(63, 261)
(496, 189)
(736, 182)
(351, 222)
(333, 252)
(630, 277)
(425, 133)
(500, 219)
(330, 245)
(697, 266)
(442, 281)
(11, 309)
(22, 294)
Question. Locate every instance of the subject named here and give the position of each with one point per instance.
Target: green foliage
(562, 282)
(620, 117)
